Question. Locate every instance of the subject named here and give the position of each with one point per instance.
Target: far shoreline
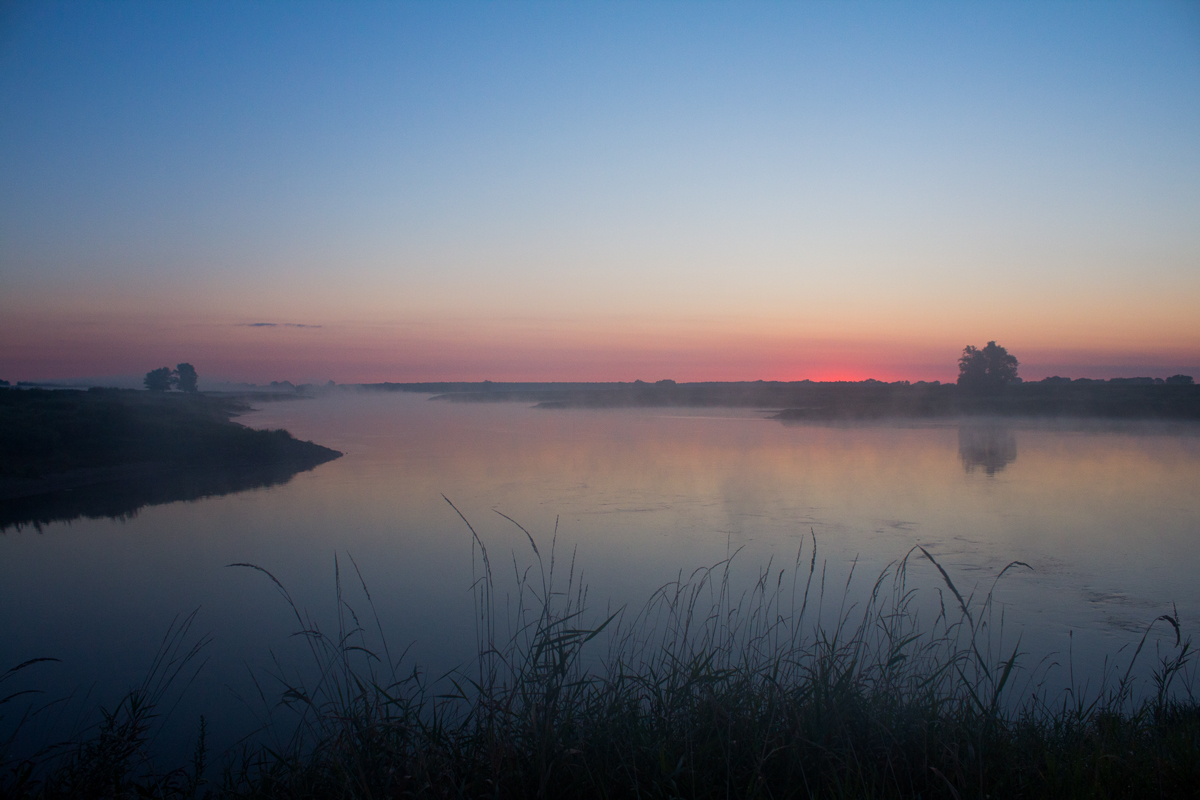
(1118, 399)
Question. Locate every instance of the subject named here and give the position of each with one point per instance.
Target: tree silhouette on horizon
(990, 368)
(183, 377)
(186, 378)
(158, 380)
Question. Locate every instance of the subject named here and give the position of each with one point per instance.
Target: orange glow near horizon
(44, 347)
(260, 328)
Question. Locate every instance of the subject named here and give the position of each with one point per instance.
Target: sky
(598, 191)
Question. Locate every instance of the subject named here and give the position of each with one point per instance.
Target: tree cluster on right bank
(988, 369)
(991, 368)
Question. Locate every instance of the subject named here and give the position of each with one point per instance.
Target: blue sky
(584, 190)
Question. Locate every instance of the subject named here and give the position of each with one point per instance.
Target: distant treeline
(1128, 398)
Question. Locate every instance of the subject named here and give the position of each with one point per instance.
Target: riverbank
(106, 452)
(846, 400)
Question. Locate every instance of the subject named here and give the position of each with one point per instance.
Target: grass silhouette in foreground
(700, 694)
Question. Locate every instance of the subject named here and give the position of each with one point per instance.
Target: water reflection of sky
(1107, 516)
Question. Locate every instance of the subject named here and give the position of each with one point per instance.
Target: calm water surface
(1108, 517)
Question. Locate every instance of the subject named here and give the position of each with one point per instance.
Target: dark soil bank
(107, 452)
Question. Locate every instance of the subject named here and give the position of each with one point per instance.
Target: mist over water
(1107, 516)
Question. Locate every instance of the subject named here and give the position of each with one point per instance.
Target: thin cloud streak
(275, 325)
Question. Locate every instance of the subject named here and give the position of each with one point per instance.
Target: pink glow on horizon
(305, 355)
(79, 343)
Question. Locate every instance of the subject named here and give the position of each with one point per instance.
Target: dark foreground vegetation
(107, 452)
(850, 400)
(701, 694)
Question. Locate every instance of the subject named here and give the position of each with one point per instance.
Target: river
(1107, 518)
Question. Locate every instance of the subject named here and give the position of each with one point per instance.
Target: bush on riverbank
(700, 694)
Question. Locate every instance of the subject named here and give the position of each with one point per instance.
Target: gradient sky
(598, 191)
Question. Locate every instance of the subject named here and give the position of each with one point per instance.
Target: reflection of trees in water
(122, 497)
(992, 447)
